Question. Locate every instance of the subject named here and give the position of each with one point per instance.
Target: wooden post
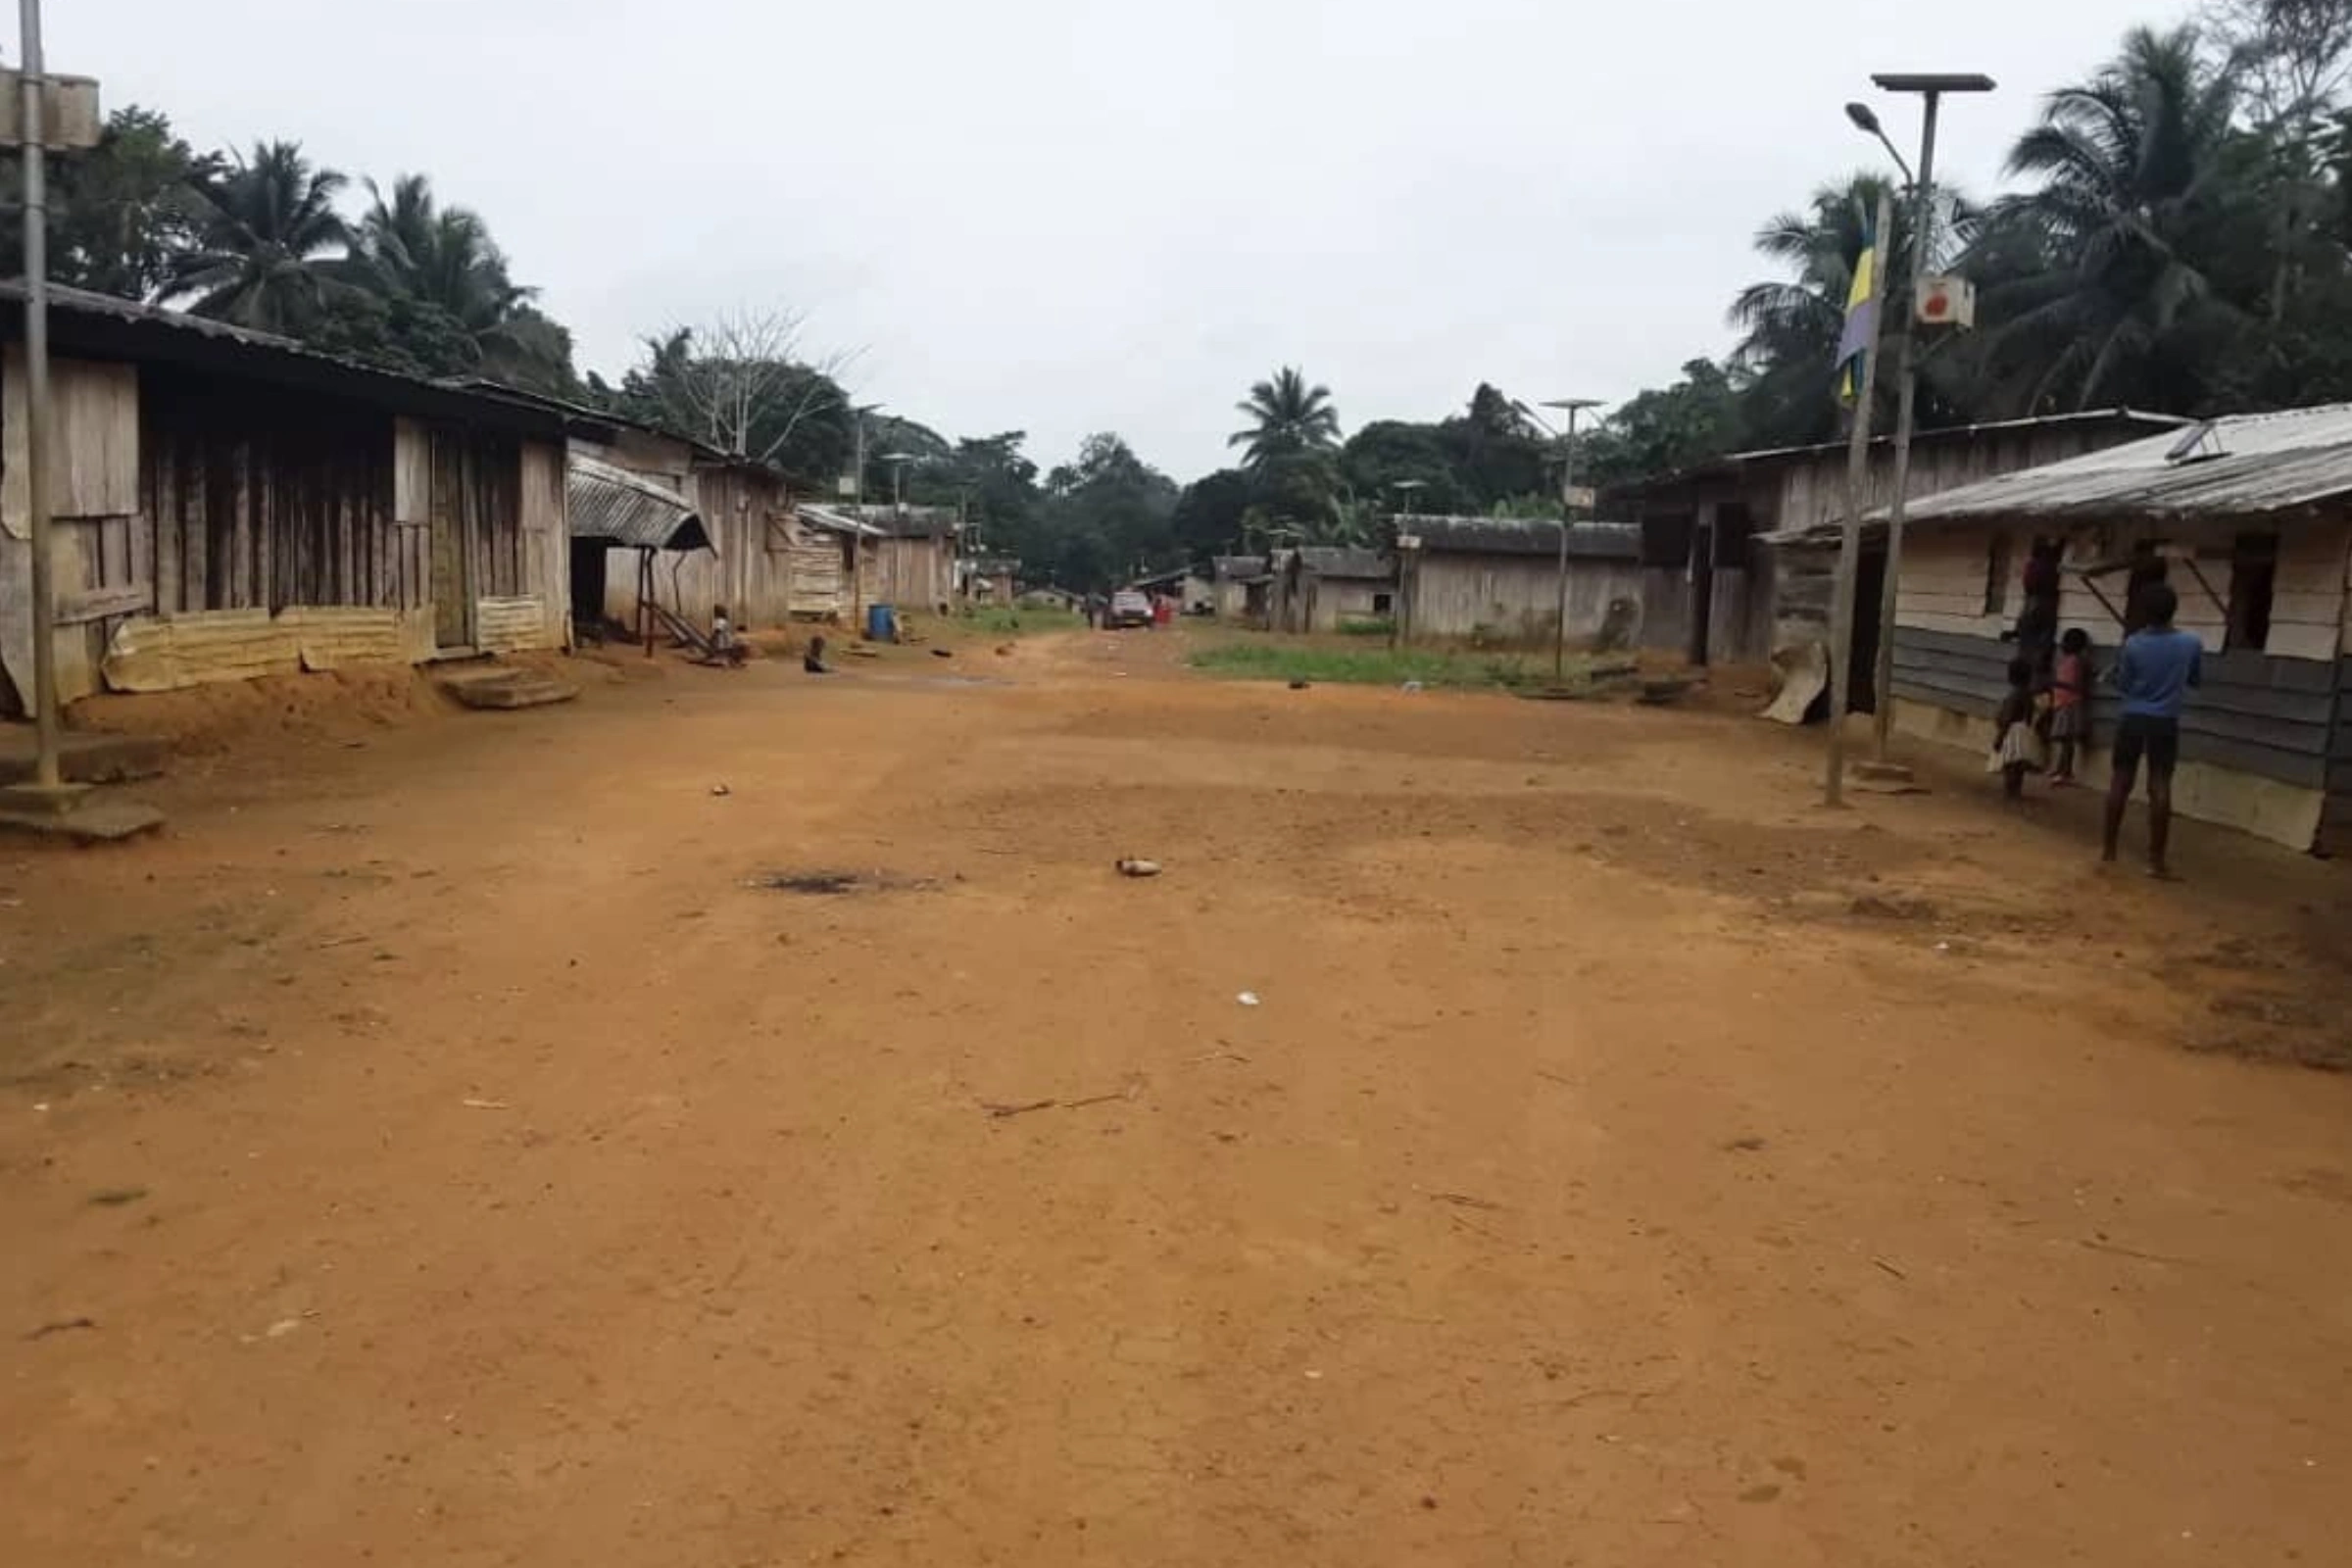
(1849, 543)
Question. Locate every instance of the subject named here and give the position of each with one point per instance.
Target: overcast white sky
(1063, 215)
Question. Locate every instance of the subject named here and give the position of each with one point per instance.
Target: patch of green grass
(1367, 626)
(1287, 660)
(1010, 620)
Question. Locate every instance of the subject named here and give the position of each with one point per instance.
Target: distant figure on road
(813, 661)
(2155, 670)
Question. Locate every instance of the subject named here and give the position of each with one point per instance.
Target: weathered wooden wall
(547, 540)
(913, 573)
(260, 500)
(1812, 488)
(1947, 572)
(1498, 600)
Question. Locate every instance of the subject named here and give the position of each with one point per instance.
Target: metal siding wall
(2256, 713)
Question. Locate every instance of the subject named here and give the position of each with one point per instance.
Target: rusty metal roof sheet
(1504, 536)
(85, 322)
(838, 519)
(1734, 462)
(2245, 464)
(1347, 561)
(902, 522)
(627, 509)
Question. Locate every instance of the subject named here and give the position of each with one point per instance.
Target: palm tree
(443, 258)
(2136, 197)
(262, 233)
(1788, 350)
(1288, 418)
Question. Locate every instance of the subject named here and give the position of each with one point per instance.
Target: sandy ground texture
(457, 1142)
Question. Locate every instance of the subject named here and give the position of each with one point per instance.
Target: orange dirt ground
(438, 1148)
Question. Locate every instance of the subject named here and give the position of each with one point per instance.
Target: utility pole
(1931, 89)
(30, 89)
(1849, 542)
(1559, 630)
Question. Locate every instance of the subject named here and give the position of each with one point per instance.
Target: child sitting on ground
(2016, 749)
(725, 646)
(2070, 704)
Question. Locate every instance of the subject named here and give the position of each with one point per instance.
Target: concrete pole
(46, 775)
(1923, 223)
(1849, 543)
(1559, 630)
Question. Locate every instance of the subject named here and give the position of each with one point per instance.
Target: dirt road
(443, 1149)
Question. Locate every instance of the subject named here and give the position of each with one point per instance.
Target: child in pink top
(2070, 704)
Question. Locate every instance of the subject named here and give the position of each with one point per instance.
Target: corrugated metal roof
(1345, 560)
(130, 330)
(1506, 536)
(628, 509)
(2247, 464)
(902, 522)
(1733, 461)
(836, 519)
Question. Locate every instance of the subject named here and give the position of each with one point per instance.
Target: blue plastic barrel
(881, 623)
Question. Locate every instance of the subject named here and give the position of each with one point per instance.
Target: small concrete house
(1328, 587)
(1494, 582)
(229, 503)
(2249, 521)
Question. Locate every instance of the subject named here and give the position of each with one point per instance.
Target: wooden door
(452, 559)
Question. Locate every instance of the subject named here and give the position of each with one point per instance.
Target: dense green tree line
(2178, 236)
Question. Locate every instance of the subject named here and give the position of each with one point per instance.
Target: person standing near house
(2154, 672)
(2070, 704)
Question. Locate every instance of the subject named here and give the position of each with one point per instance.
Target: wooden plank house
(231, 504)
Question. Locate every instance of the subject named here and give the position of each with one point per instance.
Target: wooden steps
(501, 688)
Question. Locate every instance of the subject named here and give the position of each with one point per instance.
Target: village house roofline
(2238, 465)
(902, 522)
(1596, 540)
(1733, 464)
(1347, 561)
(83, 325)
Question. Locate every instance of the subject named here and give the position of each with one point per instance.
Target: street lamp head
(1865, 118)
(1931, 81)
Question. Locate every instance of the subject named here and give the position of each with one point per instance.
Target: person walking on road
(2154, 672)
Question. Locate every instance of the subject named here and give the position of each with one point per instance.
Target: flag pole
(1849, 541)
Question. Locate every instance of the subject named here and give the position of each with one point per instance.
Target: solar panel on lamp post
(1560, 632)
(1931, 89)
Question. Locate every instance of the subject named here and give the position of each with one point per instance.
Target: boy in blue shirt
(2158, 665)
